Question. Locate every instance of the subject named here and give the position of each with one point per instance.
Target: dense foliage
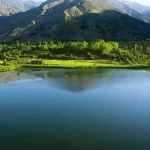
(124, 53)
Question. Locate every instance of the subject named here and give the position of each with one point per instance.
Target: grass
(82, 64)
(8, 68)
(89, 64)
(69, 63)
(72, 64)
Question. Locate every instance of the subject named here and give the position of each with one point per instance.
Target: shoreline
(88, 67)
(34, 66)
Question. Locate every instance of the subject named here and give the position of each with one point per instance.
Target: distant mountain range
(9, 7)
(143, 10)
(78, 20)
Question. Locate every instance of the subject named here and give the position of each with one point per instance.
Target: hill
(9, 7)
(76, 20)
(145, 10)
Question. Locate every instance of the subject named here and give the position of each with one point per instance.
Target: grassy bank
(9, 68)
(46, 64)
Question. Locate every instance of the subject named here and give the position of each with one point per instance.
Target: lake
(75, 109)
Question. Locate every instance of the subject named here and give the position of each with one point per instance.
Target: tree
(45, 45)
(136, 47)
(82, 45)
(115, 45)
(107, 48)
(97, 45)
(18, 44)
(148, 50)
(141, 48)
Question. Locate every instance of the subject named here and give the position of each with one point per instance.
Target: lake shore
(47, 64)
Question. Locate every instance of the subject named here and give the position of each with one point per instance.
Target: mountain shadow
(73, 20)
(108, 25)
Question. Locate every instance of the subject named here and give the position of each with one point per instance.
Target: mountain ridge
(10, 7)
(89, 19)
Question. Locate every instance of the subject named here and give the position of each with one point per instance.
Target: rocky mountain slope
(9, 7)
(76, 20)
(144, 10)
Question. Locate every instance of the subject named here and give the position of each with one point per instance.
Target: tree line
(98, 49)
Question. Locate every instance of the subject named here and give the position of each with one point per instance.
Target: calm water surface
(101, 109)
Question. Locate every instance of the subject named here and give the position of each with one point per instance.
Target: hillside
(9, 7)
(145, 10)
(75, 20)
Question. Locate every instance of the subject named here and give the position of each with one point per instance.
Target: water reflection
(12, 76)
(76, 80)
(113, 113)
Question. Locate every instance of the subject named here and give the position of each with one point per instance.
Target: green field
(70, 64)
(81, 64)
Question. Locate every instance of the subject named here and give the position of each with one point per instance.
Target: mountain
(144, 10)
(76, 20)
(9, 7)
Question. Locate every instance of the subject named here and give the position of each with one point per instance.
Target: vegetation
(74, 54)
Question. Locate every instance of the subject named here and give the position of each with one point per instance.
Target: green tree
(136, 47)
(115, 45)
(107, 48)
(148, 50)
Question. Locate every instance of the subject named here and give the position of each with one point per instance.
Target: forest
(98, 52)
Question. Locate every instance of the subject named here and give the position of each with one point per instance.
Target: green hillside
(76, 20)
